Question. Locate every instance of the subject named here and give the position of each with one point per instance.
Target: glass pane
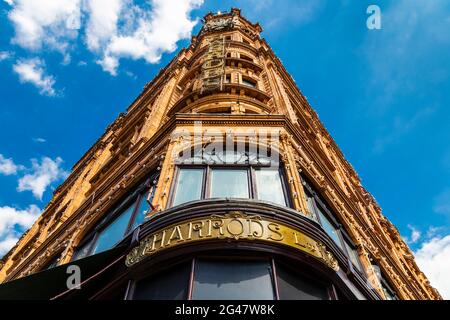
(170, 284)
(268, 184)
(232, 280)
(189, 186)
(142, 210)
(229, 183)
(292, 286)
(329, 228)
(113, 233)
(52, 263)
(388, 294)
(83, 251)
(310, 203)
(353, 255)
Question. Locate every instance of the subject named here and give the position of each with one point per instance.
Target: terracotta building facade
(218, 182)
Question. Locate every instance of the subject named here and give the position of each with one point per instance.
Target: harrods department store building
(218, 182)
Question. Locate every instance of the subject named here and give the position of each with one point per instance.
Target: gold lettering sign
(234, 225)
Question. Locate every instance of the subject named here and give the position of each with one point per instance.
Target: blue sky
(382, 94)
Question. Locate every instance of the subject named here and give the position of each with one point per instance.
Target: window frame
(132, 200)
(249, 82)
(206, 180)
(341, 232)
(384, 282)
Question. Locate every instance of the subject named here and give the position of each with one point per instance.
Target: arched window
(229, 174)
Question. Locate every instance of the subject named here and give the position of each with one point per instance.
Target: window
(230, 280)
(249, 82)
(120, 221)
(323, 215)
(329, 227)
(228, 78)
(189, 185)
(113, 233)
(293, 286)
(269, 186)
(229, 174)
(353, 254)
(229, 183)
(244, 57)
(389, 293)
(53, 262)
(245, 41)
(171, 284)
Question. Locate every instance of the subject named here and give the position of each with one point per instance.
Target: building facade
(218, 182)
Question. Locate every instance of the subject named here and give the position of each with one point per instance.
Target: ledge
(229, 91)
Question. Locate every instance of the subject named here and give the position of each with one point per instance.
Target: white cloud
(415, 235)
(39, 140)
(7, 166)
(13, 222)
(7, 243)
(113, 29)
(5, 55)
(43, 175)
(49, 23)
(145, 34)
(32, 71)
(102, 23)
(433, 258)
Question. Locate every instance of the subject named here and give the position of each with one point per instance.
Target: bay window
(229, 174)
(217, 278)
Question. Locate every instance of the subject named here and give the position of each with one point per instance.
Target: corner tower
(220, 172)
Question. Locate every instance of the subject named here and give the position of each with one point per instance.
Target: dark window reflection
(83, 251)
(232, 280)
(292, 286)
(112, 234)
(170, 284)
